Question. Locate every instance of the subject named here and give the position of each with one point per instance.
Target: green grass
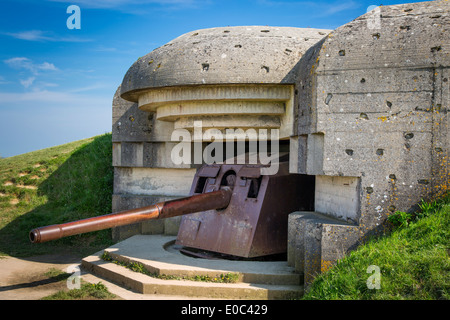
(55, 185)
(87, 291)
(413, 262)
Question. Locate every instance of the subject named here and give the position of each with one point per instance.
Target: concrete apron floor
(257, 279)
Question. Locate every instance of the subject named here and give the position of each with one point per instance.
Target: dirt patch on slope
(26, 279)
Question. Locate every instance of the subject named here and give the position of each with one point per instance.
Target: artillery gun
(232, 209)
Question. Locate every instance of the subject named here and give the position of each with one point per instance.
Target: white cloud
(39, 35)
(47, 66)
(28, 82)
(27, 64)
(36, 69)
(18, 62)
(32, 35)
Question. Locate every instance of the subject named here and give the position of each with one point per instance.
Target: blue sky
(57, 84)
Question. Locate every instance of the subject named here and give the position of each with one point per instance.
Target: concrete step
(257, 280)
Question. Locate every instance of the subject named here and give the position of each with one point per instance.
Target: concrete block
(338, 197)
(153, 181)
(296, 239)
(337, 241)
(326, 240)
(132, 154)
(349, 80)
(395, 105)
(294, 154)
(130, 123)
(315, 153)
(146, 154)
(317, 241)
(116, 154)
(367, 153)
(403, 38)
(313, 243)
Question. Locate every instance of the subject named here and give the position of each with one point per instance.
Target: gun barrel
(196, 203)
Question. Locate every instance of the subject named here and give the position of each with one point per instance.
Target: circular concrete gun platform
(256, 279)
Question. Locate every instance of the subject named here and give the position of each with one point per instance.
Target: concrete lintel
(153, 181)
(156, 97)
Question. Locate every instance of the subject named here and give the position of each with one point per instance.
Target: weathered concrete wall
(372, 126)
(224, 55)
(316, 242)
(222, 106)
(365, 108)
(231, 77)
(338, 197)
(379, 96)
(153, 181)
(143, 172)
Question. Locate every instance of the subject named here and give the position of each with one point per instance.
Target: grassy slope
(413, 260)
(55, 185)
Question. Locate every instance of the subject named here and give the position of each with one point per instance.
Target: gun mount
(206, 201)
(232, 209)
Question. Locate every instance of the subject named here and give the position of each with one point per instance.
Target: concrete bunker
(245, 90)
(363, 110)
